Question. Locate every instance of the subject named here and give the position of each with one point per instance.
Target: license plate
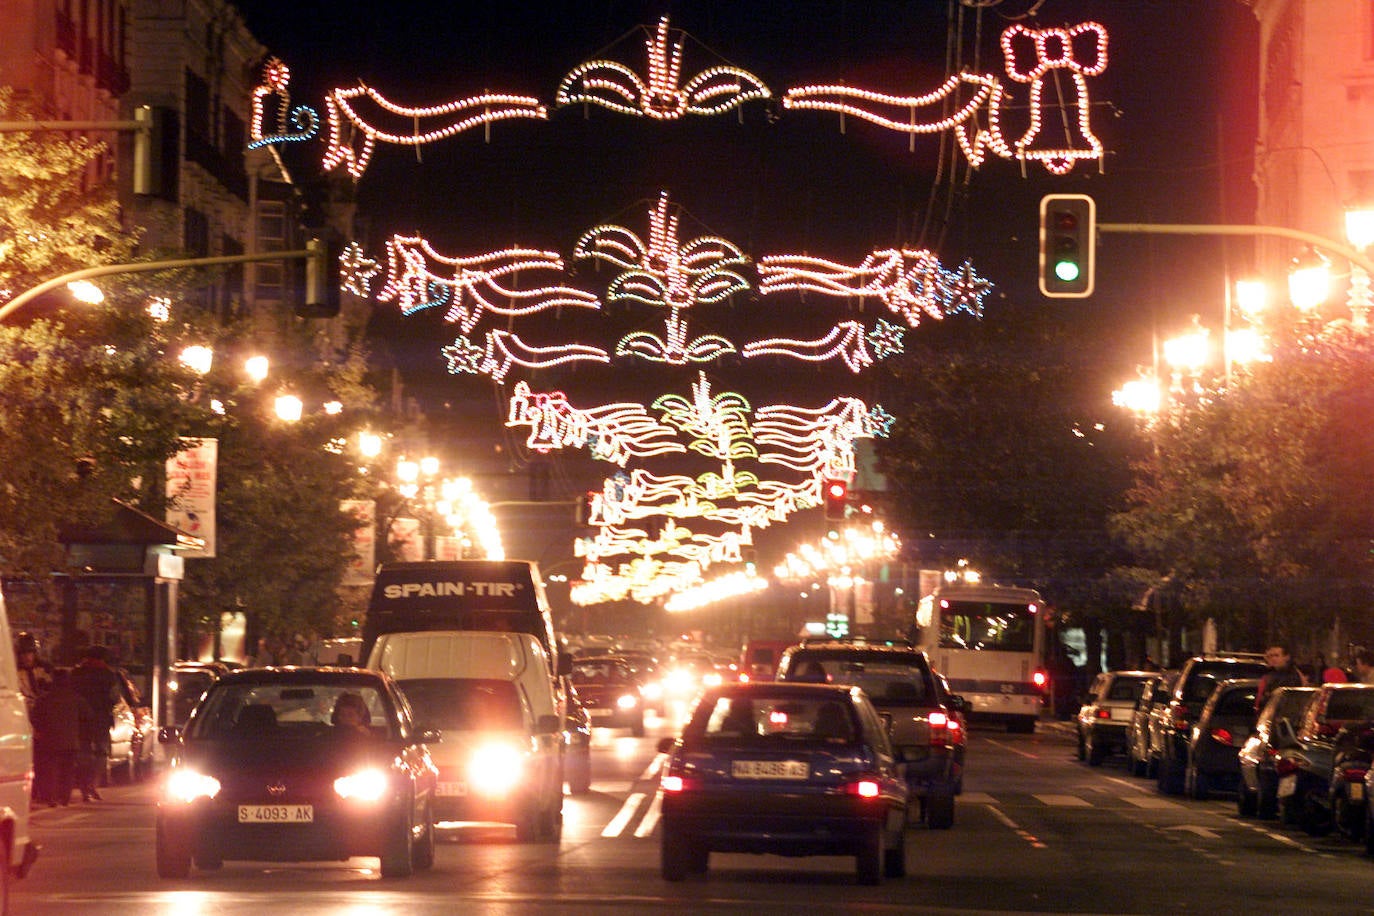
(770, 769)
(276, 814)
(453, 789)
(1287, 785)
(1357, 791)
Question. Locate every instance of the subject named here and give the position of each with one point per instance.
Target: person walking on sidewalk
(102, 688)
(63, 723)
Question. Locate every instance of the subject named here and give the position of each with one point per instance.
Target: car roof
(780, 689)
(302, 675)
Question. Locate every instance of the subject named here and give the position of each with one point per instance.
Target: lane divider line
(623, 816)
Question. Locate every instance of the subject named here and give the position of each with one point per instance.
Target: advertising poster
(191, 484)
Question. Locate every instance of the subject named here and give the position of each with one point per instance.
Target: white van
(16, 769)
(490, 694)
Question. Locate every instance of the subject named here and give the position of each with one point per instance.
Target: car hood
(329, 755)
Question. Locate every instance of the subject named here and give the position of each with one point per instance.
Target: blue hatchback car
(786, 768)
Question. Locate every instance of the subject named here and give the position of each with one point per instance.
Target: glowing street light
(1188, 352)
(86, 291)
(1252, 297)
(1139, 395)
(256, 367)
(198, 358)
(1309, 282)
(289, 408)
(1359, 229)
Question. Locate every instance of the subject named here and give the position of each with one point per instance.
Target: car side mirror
(957, 702)
(665, 745)
(169, 734)
(547, 724)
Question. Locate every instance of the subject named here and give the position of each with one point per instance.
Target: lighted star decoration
(361, 117)
(660, 95)
(419, 277)
(293, 124)
(880, 421)
(886, 339)
(668, 274)
(963, 290)
(504, 350)
(357, 270)
(464, 356)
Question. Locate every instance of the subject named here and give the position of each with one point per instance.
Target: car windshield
(1350, 705)
(468, 704)
(600, 672)
(780, 719)
(283, 711)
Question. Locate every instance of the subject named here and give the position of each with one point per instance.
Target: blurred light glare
(1359, 226)
(1252, 296)
(333, 408)
(1246, 345)
(1187, 351)
(289, 407)
(369, 444)
(1309, 282)
(198, 359)
(86, 291)
(256, 367)
(1140, 395)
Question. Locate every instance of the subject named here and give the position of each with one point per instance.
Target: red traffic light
(835, 494)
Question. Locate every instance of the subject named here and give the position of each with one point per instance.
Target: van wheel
(580, 772)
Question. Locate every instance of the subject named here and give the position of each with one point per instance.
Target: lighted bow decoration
(504, 349)
(472, 286)
(662, 272)
(1056, 50)
(293, 124)
(910, 282)
(662, 95)
(973, 95)
(348, 121)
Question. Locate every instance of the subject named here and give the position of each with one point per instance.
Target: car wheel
(681, 855)
(894, 857)
(1347, 816)
(1369, 830)
(637, 729)
(398, 858)
(173, 853)
(1316, 819)
(1082, 747)
(209, 862)
(1290, 811)
(423, 856)
(870, 856)
(527, 824)
(1266, 800)
(1198, 784)
(1247, 802)
(1096, 753)
(1169, 775)
(580, 772)
(939, 809)
(551, 821)
(5, 879)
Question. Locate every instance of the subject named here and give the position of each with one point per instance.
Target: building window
(196, 232)
(269, 277)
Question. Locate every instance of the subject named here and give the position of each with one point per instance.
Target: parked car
(610, 691)
(1104, 719)
(1153, 693)
(1349, 802)
(645, 668)
(1306, 763)
(133, 736)
(1257, 793)
(262, 772)
(188, 683)
(1197, 678)
(924, 721)
(784, 768)
(1226, 721)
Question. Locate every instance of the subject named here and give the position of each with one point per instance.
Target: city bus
(989, 642)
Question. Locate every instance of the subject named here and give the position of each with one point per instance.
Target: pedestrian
(102, 688)
(35, 675)
(1364, 665)
(1282, 673)
(63, 723)
(1328, 674)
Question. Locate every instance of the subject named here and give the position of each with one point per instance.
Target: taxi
(784, 768)
(297, 764)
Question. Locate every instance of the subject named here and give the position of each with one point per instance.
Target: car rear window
(1350, 705)
(1238, 702)
(1204, 677)
(464, 704)
(1127, 690)
(775, 719)
(888, 680)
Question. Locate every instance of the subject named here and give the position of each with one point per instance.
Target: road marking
(650, 819)
(977, 798)
(1204, 832)
(1150, 801)
(654, 766)
(623, 816)
(1015, 750)
(1030, 838)
(1062, 801)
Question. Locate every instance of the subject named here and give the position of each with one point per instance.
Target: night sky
(1174, 110)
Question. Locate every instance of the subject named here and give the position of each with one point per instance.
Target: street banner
(191, 487)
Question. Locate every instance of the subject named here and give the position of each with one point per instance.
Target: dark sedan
(791, 769)
(610, 690)
(298, 764)
(1226, 721)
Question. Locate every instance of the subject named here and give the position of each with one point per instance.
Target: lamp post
(1359, 229)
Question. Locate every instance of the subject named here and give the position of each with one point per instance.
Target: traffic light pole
(106, 270)
(1337, 248)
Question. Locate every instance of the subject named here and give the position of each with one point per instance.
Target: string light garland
(1056, 50)
(357, 270)
(293, 124)
(615, 432)
(847, 340)
(504, 350)
(427, 124)
(470, 286)
(661, 95)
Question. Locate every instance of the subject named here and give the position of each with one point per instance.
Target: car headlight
(712, 679)
(184, 785)
(494, 769)
(653, 690)
(364, 785)
(627, 701)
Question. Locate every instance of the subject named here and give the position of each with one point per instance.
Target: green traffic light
(1066, 271)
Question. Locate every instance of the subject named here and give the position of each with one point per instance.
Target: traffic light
(1068, 242)
(321, 298)
(835, 495)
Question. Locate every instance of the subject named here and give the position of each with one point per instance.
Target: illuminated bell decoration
(412, 126)
(661, 95)
(293, 124)
(1055, 51)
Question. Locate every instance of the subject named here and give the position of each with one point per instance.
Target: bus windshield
(986, 625)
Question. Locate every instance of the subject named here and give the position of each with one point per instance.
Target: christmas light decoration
(910, 282)
(847, 340)
(293, 124)
(1056, 50)
(731, 585)
(470, 286)
(426, 125)
(662, 95)
(815, 441)
(357, 270)
(886, 110)
(719, 423)
(617, 432)
(504, 349)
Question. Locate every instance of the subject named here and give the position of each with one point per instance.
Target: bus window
(970, 625)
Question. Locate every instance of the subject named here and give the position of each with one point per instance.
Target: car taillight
(939, 720)
(1040, 678)
(1222, 736)
(672, 784)
(1103, 712)
(1178, 714)
(1354, 774)
(864, 788)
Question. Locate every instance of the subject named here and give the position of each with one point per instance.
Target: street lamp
(1359, 229)
(1309, 281)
